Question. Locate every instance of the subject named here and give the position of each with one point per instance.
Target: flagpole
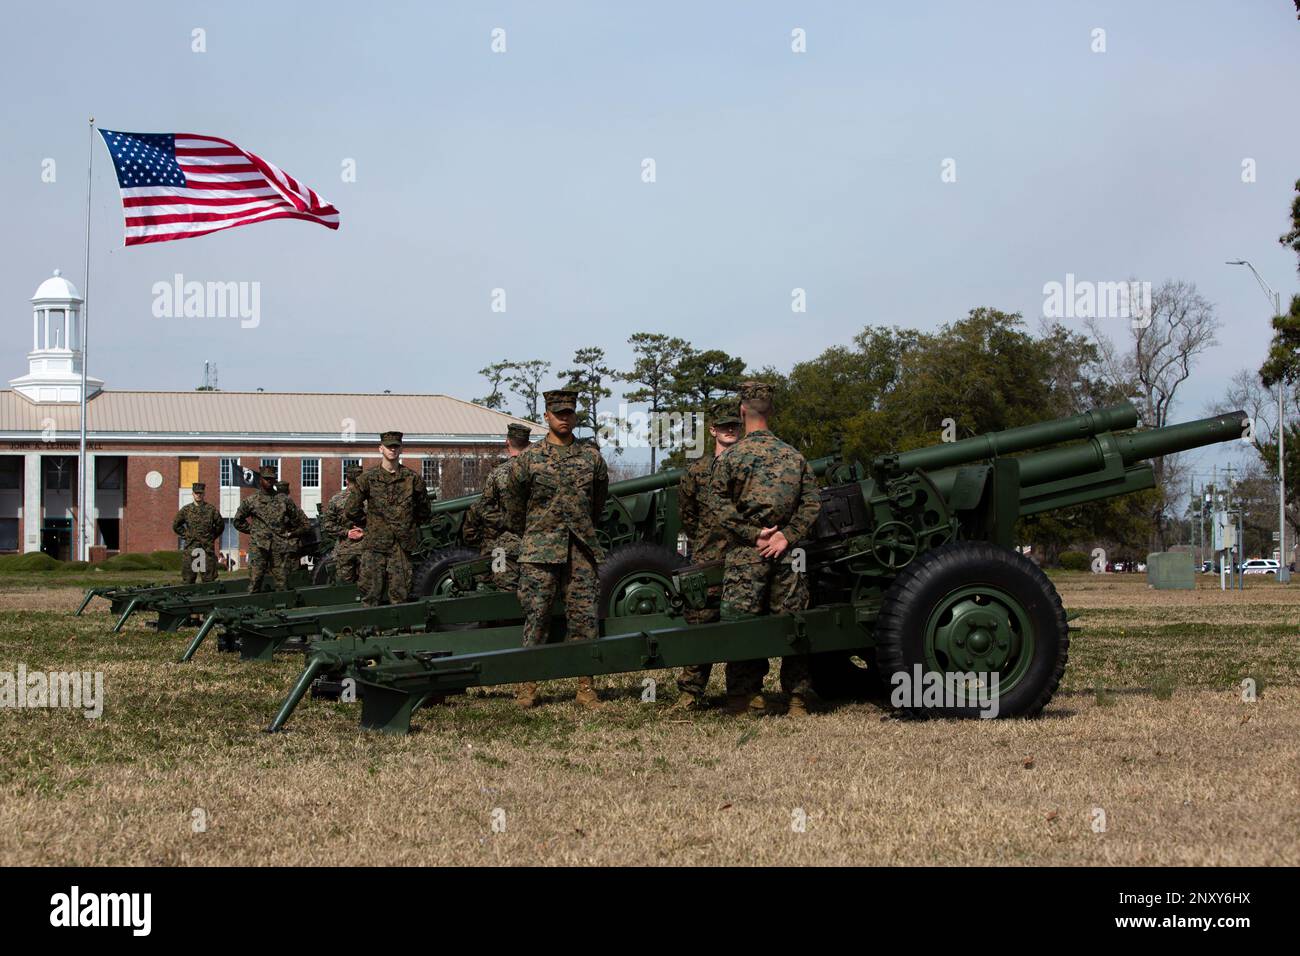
(84, 526)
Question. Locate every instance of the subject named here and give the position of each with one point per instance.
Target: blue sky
(775, 170)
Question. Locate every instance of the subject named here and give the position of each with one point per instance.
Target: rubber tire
(435, 566)
(835, 676)
(323, 573)
(934, 574)
(628, 559)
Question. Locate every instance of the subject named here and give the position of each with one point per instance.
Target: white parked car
(1260, 566)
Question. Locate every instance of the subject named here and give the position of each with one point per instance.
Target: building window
(311, 472)
(58, 473)
(189, 471)
(230, 473)
(429, 471)
(8, 534)
(272, 463)
(109, 531)
(348, 463)
(55, 340)
(229, 537)
(108, 473)
(469, 475)
(11, 473)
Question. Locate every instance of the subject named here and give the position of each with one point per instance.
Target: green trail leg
(255, 647)
(130, 609)
(291, 702)
(388, 711)
(90, 596)
(208, 624)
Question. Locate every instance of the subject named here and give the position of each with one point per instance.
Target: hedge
(1075, 561)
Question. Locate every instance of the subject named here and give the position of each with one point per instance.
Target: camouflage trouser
(281, 566)
(347, 561)
(538, 586)
(260, 561)
(694, 678)
(189, 558)
(753, 585)
(378, 568)
(507, 578)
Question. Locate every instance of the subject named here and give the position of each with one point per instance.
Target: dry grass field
(1150, 729)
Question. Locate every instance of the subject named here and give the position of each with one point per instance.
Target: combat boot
(686, 701)
(797, 707)
(587, 696)
(754, 704)
(526, 695)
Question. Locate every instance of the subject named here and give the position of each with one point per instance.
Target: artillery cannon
(639, 530)
(911, 567)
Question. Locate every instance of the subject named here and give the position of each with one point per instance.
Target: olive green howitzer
(639, 530)
(912, 570)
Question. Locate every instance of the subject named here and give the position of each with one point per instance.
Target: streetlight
(1275, 300)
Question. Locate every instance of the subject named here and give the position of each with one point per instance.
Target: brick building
(144, 449)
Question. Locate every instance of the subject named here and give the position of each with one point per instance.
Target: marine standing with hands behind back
(197, 524)
(486, 525)
(708, 540)
(768, 501)
(334, 523)
(387, 507)
(556, 494)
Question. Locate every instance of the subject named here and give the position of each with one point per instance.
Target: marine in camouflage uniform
(288, 541)
(335, 526)
(764, 484)
(197, 524)
(388, 505)
(556, 493)
(486, 526)
(696, 494)
(265, 516)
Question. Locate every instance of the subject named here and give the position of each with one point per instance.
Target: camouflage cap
(561, 400)
(519, 432)
(725, 411)
(750, 390)
(390, 439)
(268, 471)
(198, 486)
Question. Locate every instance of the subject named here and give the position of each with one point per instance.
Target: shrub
(167, 560)
(130, 561)
(1075, 561)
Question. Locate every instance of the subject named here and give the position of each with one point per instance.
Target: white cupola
(54, 363)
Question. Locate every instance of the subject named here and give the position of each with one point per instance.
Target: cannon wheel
(970, 606)
(433, 577)
(323, 573)
(846, 675)
(637, 579)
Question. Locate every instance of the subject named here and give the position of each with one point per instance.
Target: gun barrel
(968, 450)
(1136, 447)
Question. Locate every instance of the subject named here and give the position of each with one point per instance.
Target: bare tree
(1160, 358)
(1247, 393)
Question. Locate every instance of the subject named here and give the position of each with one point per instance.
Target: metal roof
(282, 416)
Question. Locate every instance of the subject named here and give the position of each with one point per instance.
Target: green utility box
(1171, 571)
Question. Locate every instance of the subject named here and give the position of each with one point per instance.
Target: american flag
(180, 185)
